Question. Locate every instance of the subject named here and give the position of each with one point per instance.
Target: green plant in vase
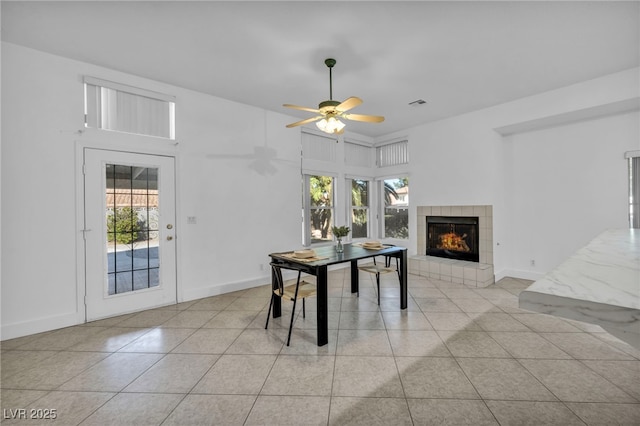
(340, 232)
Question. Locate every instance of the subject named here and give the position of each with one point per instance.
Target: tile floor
(456, 356)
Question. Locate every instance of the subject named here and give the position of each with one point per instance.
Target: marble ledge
(599, 284)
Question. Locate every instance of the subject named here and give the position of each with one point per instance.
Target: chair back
(276, 270)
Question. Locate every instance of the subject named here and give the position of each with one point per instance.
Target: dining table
(326, 256)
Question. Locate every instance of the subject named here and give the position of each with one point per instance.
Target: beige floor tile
(572, 381)
(366, 377)
(290, 410)
(494, 293)
(607, 414)
(450, 412)
(152, 318)
(61, 339)
(472, 344)
(53, 371)
(232, 319)
(533, 413)
(175, 373)
(361, 321)
(624, 374)
(113, 373)
(405, 320)
(426, 293)
(461, 293)
(189, 319)
(363, 342)
(249, 304)
(69, 408)
(479, 305)
(417, 343)
(528, 345)
(618, 344)
(585, 346)
(16, 361)
(437, 305)
(208, 341)
(300, 375)
(236, 375)
(434, 378)
(259, 341)
(211, 410)
(159, 340)
(346, 411)
(545, 323)
(504, 379)
(110, 340)
(452, 321)
(457, 355)
(135, 409)
(216, 303)
(15, 399)
(493, 321)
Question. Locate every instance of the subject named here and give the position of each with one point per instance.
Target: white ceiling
(458, 56)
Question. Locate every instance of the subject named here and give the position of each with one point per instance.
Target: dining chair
(292, 292)
(380, 270)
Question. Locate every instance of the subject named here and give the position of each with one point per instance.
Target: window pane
(396, 211)
(359, 193)
(321, 209)
(132, 215)
(321, 222)
(359, 218)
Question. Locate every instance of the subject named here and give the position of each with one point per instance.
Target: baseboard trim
(40, 325)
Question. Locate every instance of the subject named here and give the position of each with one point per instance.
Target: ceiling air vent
(418, 102)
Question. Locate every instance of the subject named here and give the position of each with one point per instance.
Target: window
(395, 196)
(392, 154)
(634, 188)
(359, 208)
(114, 106)
(320, 201)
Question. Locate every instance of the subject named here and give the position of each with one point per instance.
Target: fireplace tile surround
(474, 274)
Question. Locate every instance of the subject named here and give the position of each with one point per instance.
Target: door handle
(169, 238)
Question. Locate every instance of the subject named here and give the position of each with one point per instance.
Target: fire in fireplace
(453, 237)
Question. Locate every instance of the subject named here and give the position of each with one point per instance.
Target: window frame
(382, 206)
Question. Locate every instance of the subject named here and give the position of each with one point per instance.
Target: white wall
(246, 209)
(570, 183)
(529, 175)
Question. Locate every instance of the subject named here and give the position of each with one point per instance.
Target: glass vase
(339, 248)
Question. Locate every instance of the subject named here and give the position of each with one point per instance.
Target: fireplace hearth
(453, 237)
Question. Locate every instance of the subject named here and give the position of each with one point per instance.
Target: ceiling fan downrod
(330, 62)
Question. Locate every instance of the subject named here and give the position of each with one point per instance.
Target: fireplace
(453, 237)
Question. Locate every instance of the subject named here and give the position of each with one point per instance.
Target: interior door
(130, 253)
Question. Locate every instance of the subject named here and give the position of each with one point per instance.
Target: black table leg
(355, 281)
(403, 281)
(277, 301)
(323, 308)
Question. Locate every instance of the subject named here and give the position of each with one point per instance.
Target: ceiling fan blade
(300, 108)
(346, 105)
(301, 122)
(367, 118)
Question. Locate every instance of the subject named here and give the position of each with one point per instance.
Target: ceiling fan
(330, 112)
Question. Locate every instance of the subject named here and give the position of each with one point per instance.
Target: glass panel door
(129, 232)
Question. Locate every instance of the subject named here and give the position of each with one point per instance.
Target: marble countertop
(599, 284)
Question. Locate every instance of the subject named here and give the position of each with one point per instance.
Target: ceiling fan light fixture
(330, 125)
